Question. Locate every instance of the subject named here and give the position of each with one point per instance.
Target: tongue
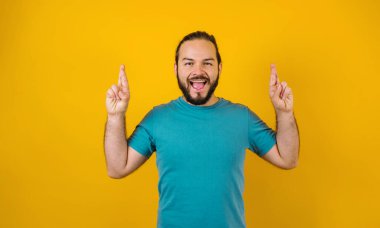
(198, 85)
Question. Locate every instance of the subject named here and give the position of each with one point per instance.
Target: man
(200, 140)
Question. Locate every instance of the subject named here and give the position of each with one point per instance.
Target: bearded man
(200, 140)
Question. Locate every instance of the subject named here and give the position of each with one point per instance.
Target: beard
(198, 100)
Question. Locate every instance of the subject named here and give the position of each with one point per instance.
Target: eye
(188, 63)
(208, 63)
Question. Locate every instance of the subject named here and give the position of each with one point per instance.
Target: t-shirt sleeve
(261, 137)
(142, 138)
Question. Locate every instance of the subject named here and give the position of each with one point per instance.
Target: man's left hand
(280, 93)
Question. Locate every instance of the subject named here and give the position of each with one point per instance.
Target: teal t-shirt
(200, 152)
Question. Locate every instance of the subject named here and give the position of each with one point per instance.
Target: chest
(191, 141)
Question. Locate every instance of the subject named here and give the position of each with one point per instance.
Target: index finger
(123, 82)
(273, 75)
(121, 74)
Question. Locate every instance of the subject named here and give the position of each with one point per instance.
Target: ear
(175, 69)
(220, 68)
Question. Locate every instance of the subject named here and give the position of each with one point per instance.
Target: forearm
(115, 144)
(287, 138)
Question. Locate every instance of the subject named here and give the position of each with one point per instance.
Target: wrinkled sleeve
(261, 137)
(142, 138)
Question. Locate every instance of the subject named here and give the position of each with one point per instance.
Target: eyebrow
(208, 59)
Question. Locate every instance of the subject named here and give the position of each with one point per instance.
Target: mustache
(199, 77)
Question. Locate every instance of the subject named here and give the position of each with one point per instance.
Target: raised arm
(285, 153)
(120, 158)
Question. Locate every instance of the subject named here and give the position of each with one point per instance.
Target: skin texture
(197, 61)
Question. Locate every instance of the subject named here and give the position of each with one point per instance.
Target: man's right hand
(118, 96)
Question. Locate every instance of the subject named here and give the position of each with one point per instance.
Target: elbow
(291, 165)
(116, 175)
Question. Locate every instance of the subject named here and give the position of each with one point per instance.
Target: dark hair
(198, 35)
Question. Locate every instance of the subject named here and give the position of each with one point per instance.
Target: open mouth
(198, 84)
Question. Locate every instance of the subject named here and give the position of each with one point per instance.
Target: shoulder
(164, 107)
(161, 110)
(243, 110)
(154, 114)
(235, 106)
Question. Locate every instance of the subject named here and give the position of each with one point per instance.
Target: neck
(213, 99)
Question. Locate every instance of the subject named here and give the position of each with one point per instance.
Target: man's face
(197, 70)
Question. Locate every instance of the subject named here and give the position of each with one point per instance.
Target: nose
(198, 70)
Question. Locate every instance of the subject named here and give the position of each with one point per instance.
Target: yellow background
(58, 58)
